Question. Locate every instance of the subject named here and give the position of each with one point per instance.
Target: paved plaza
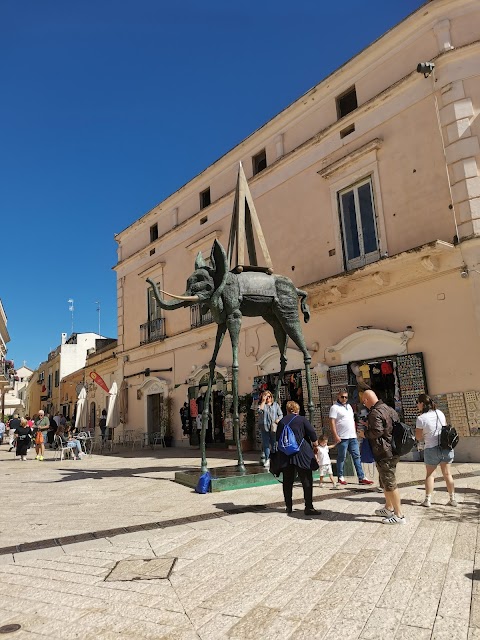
(231, 564)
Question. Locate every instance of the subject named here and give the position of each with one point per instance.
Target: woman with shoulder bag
(428, 429)
(302, 462)
(269, 415)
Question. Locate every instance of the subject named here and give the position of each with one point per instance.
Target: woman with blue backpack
(296, 447)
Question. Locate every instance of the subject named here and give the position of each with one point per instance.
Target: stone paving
(235, 565)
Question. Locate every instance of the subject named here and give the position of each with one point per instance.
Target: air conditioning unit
(90, 351)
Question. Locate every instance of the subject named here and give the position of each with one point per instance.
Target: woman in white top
(428, 428)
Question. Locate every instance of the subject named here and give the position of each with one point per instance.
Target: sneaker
(334, 486)
(37, 457)
(427, 502)
(312, 512)
(452, 503)
(342, 481)
(40, 457)
(365, 481)
(393, 519)
(384, 513)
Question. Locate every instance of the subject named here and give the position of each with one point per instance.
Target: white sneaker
(334, 486)
(384, 513)
(394, 520)
(427, 502)
(452, 502)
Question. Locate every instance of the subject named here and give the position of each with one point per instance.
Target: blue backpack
(287, 442)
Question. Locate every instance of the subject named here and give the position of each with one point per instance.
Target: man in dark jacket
(379, 433)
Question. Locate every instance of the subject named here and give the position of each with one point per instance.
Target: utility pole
(98, 311)
(71, 308)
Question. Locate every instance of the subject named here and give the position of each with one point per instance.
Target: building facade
(44, 391)
(6, 366)
(368, 192)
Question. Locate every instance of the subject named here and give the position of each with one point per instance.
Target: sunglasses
(344, 397)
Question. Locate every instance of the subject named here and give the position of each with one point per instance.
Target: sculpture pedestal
(227, 478)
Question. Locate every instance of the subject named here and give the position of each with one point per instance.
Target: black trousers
(306, 478)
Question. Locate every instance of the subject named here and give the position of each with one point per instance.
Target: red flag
(99, 380)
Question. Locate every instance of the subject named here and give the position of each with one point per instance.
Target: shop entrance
(215, 434)
(292, 387)
(154, 414)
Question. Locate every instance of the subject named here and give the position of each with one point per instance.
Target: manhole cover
(139, 569)
(10, 628)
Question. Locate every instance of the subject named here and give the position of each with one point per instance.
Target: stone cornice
(350, 158)
(401, 270)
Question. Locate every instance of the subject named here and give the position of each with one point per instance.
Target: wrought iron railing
(197, 319)
(152, 331)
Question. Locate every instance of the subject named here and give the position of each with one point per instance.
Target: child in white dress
(324, 462)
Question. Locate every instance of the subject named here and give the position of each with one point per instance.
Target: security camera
(426, 68)
(464, 272)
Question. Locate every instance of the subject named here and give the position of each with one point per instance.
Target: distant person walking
(23, 437)
(428, 428)
(12, 427)
(42, 427)
(269, 415)
(103, 424)
(2, 430)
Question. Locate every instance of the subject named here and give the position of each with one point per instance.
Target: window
(154, 311)
(205, 198)
(259, 162)
(57, 378)
(347, 102)
(153, 232)
(154, 329)
(358, 224)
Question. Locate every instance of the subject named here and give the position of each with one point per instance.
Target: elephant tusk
(185, 298)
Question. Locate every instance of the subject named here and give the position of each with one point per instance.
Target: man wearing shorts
(379, 433)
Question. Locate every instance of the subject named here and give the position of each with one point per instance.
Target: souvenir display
(458, 413)
(472, 403)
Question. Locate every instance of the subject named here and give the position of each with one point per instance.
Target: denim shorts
(435, 456)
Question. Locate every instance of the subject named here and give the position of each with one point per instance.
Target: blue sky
(109, 106)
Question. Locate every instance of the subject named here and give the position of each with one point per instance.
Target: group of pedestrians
(376, 428)
(42, 429)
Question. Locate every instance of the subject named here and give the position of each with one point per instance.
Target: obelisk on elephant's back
(230, 287)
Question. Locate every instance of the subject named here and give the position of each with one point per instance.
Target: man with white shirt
(344, 433)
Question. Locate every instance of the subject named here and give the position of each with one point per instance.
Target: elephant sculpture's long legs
(295, 333)
(234, 323)
(281, 339)
(221, 329)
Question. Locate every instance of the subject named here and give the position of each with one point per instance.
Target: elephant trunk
(181, 301)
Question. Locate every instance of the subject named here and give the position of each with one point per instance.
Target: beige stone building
(45, 389)
(6, 374)
(368, 190)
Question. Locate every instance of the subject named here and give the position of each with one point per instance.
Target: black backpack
(403, 439)
(448, 437)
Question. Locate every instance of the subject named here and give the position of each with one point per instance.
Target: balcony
(6, 377)
(197, 319)
(152, 331)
